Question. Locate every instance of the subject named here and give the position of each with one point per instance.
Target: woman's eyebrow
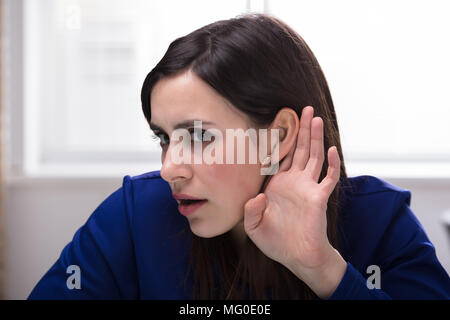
(184, 124)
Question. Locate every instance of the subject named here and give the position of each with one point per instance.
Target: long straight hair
(260, 65)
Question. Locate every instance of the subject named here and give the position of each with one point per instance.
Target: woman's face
(226, 187)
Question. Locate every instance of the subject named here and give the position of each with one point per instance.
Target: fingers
(253, 213)
(316, 157)
(309, 151)
(334, 170)
(302, 149)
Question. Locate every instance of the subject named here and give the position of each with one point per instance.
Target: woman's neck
(239, 235)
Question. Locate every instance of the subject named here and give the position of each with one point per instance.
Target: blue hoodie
(132, 247)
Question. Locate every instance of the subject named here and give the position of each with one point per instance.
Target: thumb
(253, 212)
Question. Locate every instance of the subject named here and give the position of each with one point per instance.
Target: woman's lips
(187, 209)
(182, 196)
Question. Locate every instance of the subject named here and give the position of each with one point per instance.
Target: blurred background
(72, 126)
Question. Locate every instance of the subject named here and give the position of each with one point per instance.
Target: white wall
(42, 216)
(429, 200)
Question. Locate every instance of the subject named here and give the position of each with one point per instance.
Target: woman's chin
(204, 235)
(204, 231)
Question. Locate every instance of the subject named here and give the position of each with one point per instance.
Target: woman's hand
(288, 221)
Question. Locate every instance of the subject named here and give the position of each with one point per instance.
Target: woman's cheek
(221, 174)
(241, 180)
(236, 181)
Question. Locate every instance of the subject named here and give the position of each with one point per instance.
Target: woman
(304, 231)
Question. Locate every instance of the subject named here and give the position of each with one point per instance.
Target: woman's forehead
(178, 98)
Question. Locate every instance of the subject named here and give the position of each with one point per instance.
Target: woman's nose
(172, 171)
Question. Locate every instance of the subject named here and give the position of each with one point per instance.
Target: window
(85, 61)
(387, 67)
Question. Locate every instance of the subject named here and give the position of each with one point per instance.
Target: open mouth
(187, 207)
(186, 202)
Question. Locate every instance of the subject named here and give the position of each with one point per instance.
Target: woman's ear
(288, 124)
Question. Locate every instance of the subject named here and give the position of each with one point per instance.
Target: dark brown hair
(260, 65)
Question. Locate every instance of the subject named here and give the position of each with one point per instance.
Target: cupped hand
(287, 222)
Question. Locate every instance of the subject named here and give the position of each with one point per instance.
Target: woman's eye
(163, 138)
(200, 135)
(196, 135)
